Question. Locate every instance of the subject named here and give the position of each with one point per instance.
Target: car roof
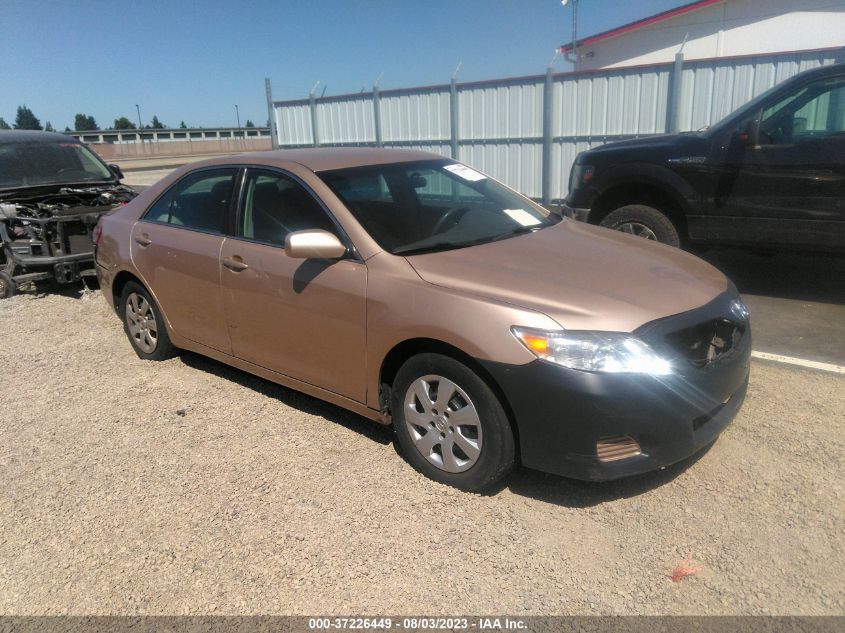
(34, 136)
(323, 158)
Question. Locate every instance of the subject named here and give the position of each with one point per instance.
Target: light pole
(138, 110)
(238, 114)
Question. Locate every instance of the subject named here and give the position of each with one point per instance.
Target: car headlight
(609, 352)
(740, 310)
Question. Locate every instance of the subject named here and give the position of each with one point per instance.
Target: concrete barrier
(115, 151)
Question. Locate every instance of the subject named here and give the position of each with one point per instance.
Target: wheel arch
(408, 348)
(651, 185)
(119, 283)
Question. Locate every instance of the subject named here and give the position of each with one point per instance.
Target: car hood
(582, 276)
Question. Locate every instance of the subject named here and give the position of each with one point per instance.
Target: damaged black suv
(53, 190)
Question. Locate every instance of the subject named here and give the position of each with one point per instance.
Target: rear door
(176, 248)
(305, 318)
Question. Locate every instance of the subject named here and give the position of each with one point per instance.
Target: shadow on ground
(571, 493)
(803, 276)
(302, 402)
(529, 483)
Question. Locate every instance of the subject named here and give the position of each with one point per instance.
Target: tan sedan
(414, 290)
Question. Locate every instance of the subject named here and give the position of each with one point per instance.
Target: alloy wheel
(637, 229)
(141, 322)
(443, 423)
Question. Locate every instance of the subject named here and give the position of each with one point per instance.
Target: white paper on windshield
(462, 171)
(522, 216)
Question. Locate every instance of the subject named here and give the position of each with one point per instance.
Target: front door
(789, 187)
(304, 318)
(176, 248)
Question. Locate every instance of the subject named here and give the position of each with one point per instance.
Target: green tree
(49, 127)
(182, 125)
(4, 125)
(67, 129)
(155, 124)
(84, 122)
(26, 120)
(249, 123)
(123, 124)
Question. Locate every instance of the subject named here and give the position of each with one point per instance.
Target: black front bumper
(562, 413)
(582, 215)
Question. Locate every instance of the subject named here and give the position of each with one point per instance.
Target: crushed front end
(48, 234)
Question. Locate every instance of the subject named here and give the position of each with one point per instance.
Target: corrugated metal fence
(527, 131)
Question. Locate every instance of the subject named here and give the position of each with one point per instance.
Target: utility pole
(140, 125)
(271, 115)
(238, 114)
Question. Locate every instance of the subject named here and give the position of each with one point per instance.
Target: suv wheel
(450, 425)
(643, 221)
(143, 324)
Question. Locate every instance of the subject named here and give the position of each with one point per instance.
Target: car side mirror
(745, 134)
(116, 170)
(313, 244)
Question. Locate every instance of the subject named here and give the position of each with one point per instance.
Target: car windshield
(32, 164)
(418, 207)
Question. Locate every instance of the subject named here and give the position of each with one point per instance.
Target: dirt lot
(187, 487)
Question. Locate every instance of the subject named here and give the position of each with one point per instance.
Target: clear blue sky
(195, 60)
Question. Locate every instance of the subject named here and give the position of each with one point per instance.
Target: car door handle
(235, 264)
(143, 239)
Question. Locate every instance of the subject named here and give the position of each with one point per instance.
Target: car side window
(198, 201)
(275, 205)
(815, 111)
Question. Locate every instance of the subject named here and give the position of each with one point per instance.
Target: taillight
(97, 235)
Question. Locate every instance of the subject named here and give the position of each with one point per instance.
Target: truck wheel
(450, 425)
(643, 221)
(7, 286)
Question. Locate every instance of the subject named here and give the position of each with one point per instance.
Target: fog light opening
(617, 447)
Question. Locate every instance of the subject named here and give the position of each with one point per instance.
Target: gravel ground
(186, 487)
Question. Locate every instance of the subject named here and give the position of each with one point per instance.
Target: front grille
(706, 342)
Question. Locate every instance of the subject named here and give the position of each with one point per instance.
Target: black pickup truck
(53, 191)
(771, 174)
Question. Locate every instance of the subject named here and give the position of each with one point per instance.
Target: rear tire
(144, 324)
(643, 221)
(450, 425)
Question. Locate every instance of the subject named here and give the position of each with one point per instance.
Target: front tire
(450, 425)
(144, 324)
(643, 221)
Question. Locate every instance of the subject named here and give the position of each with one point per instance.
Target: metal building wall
(293, 121)
(409, 116)
(346, 121)
(713, 89)
(498, 126)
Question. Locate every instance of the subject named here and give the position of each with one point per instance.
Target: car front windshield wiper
(448, 246)
(437, 246)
